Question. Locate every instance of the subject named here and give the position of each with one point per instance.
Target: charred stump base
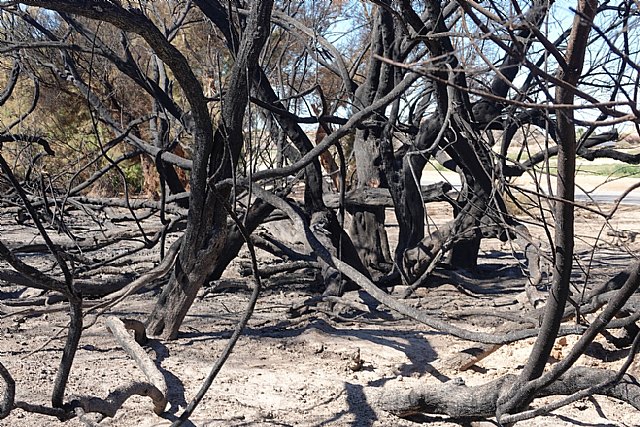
(370, 239)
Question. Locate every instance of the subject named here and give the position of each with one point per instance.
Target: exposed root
(155, 378)
(112, 403)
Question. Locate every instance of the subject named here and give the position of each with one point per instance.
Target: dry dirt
(299, 372)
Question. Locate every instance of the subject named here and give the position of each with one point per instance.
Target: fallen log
(455, 399)
(370, 196)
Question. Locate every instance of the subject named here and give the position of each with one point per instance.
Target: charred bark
(367, 224)
(206, 233)
(524, 389)
(459, 401)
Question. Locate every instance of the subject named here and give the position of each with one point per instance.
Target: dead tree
(452, 83)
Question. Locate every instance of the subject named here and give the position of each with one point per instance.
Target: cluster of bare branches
(183, 126)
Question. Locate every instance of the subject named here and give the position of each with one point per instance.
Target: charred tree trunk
(206, 233)
(526, 386)
(367, 223)
(467, 126)
(313, 201)
(367, 226)
(467, 218)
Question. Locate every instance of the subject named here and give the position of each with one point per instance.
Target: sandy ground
(300, 372)
(588, 184)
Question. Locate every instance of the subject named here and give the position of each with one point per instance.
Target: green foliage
(134, 176)
(613, 170)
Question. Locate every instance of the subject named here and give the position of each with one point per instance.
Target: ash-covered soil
(318, 369)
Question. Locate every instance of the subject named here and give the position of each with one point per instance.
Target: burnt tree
(467, 87)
